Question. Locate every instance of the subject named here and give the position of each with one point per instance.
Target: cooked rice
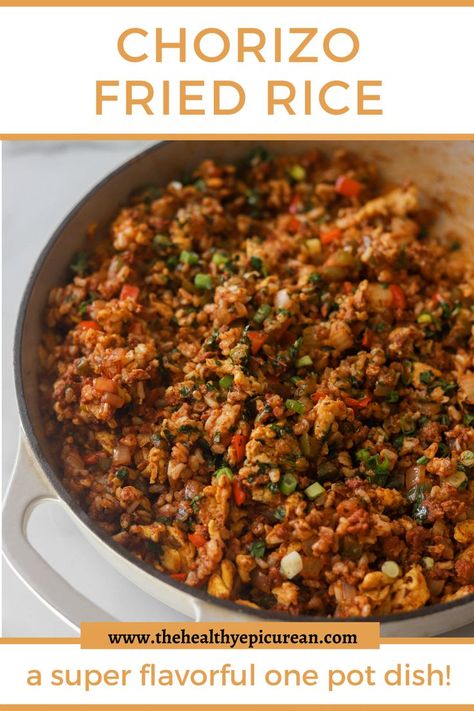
(262, 383)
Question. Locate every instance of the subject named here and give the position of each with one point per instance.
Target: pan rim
(74, 507)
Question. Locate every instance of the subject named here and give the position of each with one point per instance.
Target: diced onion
(291, 565)
(414, 476)
(340, 336)
(122, 455)
(348, 591)
(282, 299)
(428, 562)
(379, 296)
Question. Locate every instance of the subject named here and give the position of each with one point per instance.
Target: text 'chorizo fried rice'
(262, 383)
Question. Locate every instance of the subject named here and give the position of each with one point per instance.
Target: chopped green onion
(304, 361)
(257, 549)
(457, 479)
(443, 450)
(381, 466)
(203, 281)
(393, 396)
(294, 406)
(79, 263)
(467, 458)
(469, 419)
(188, 257)
(297, 173)
(226, 382)
(257, 264)
(426, 377)
(161, 241)
(423, 460)
(294, 348)
(314, 490)
(363, 455)
(428, 562)
(425, 317)
(219, 258)
(391, 569)
(398, 441)
(377, 468)
(122, 473)
(288, 484)
(263, 311)
(291, 565)
(407, 424)
(280, 513)
(224, 471)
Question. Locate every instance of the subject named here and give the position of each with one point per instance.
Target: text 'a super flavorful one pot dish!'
(262, 383)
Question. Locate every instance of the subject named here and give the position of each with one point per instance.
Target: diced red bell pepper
(398, 297)
(367, 338)
(238, 442)
(348, 187)
(318, 395)
(179, 576)
(129, 292)
(330, 235)
(293, 225)
(238, 492)
(358, 404)
(197, 540)
(90, 324)
(257, 339)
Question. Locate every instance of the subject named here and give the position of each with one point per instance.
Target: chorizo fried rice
(262, 383)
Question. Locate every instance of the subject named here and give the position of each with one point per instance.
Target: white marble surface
(41, 182)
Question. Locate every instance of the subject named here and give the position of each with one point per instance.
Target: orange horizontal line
(236, 136)
(238, 3)
(238, 707)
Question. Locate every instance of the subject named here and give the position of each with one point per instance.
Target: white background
(422, 55)
(20, 659)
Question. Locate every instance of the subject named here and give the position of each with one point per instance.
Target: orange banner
(237, 635)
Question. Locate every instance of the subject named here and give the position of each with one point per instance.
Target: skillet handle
(25, 492)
